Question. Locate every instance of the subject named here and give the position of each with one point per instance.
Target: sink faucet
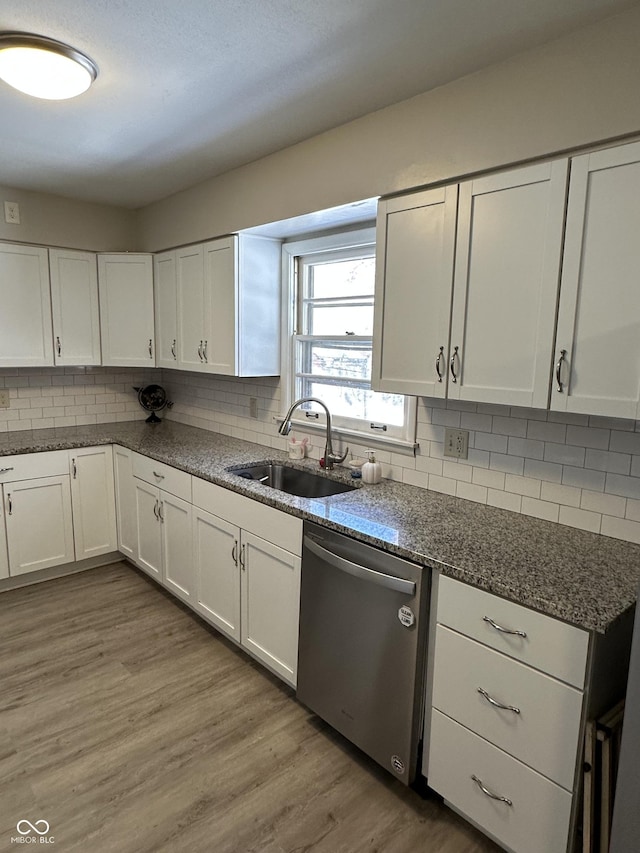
(329, 456)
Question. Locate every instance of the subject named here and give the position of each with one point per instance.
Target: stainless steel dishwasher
(363, 615)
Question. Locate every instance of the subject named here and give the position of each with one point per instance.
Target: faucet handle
(338, 459)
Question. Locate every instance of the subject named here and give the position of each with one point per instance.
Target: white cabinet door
(177, 546)
(4, 557)
(414, 275)
(216, 546)
(270, 604)
(165, 291)
(191, 308)
(39, 523)
(25, 318)
(597, 356)
(93, 497)
(74, 301)
(508, 253)
(126, 509)
(149, 534)
(126, 310)
(221, 306)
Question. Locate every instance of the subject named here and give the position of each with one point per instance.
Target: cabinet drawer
(549, 645)
(28, 466)
(543, 735)
(168, 479)
(269, 523)
(539, 816)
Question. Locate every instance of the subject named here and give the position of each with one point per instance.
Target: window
(332, 283)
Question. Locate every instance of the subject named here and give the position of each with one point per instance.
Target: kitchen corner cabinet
(480, 329)
(597, 357)
(164, 519)
(125, 285)
(25, 319)
(93, 500)
(508, 694)
(74, 302)
(126, 513)
(218, 306)
(247, 564)
(37, 511)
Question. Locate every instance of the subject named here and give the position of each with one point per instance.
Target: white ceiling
(189, 89)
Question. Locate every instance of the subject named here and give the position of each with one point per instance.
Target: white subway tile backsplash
(624, 442)
(583, 478)
(491, 442)
(623, 424)
(540, 509)
(522, 485)
(476, 421)
(457, 471)
(508, 464)
(442, 484)
(504, 500)
(471, 492)
(446, 417)
(604, 504)
(564, 454)
(620, 528)
(589, 437)
(490, 479)
(603, 460)
(633, 509)
(526, 447)
(618, 484)
(510, 426)
(566, 495)
(580, 518)
(544, 431)
(543, 470)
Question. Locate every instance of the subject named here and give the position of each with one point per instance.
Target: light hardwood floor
(131, 727)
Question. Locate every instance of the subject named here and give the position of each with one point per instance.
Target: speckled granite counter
(583, 578)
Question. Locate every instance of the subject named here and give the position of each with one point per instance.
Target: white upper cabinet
(414, 274)
(25, 314)
(192, 337)
(74, 302)
(508, 253)
(126, 310)
(597, 358)
(221, 307)
(164, 284)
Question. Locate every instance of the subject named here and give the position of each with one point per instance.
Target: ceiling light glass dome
(44, 68)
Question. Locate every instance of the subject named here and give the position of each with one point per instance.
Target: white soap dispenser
(371, 470)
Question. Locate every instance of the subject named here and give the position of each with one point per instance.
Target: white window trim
(320, 245)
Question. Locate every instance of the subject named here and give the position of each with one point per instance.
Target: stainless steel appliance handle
(388, 581)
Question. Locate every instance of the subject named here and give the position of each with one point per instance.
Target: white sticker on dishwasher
(406, 616)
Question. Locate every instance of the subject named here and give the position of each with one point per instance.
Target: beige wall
(576, 91)
(55, 221)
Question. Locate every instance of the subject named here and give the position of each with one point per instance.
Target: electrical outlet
(4, 399)
(253, 407)
(456, 443)
(12, 212)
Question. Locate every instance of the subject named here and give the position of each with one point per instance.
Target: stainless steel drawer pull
(439, 360)
(452, 364)
(503, 630)
(5, 470)
(563, 354)
(497, 704)
(490, 793)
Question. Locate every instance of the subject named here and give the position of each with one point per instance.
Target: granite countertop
(580, 577)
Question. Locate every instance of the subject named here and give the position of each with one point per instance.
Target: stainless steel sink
(293, 481)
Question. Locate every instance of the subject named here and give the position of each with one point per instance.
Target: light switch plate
(456, 443)
(4, 399)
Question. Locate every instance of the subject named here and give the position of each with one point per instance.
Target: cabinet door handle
(155, 511)
(242, 563)
(439, 360)
(159, 476)
(5, 470)
(200, 351)
(490, 793)
(497, 704)
(173, 349)
(74, 470)
(160, 512)
(58, 346)
(150, 347)
(234, 552)
(204, 351)
(563, 354)
(503, 630)
(452, 364)
(9, 504)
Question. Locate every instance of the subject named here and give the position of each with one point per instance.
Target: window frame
(308, 246)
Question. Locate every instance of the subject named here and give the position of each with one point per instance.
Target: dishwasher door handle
(370, 575)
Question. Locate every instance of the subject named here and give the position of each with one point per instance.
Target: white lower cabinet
(503, 728)
(248, 583)
(4, 557)
(39, 523)
(126, 513)
(164, 538)
(93, 498)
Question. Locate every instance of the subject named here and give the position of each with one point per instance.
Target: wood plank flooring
(132, 727)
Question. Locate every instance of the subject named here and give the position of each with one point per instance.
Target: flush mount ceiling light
(43, 67)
